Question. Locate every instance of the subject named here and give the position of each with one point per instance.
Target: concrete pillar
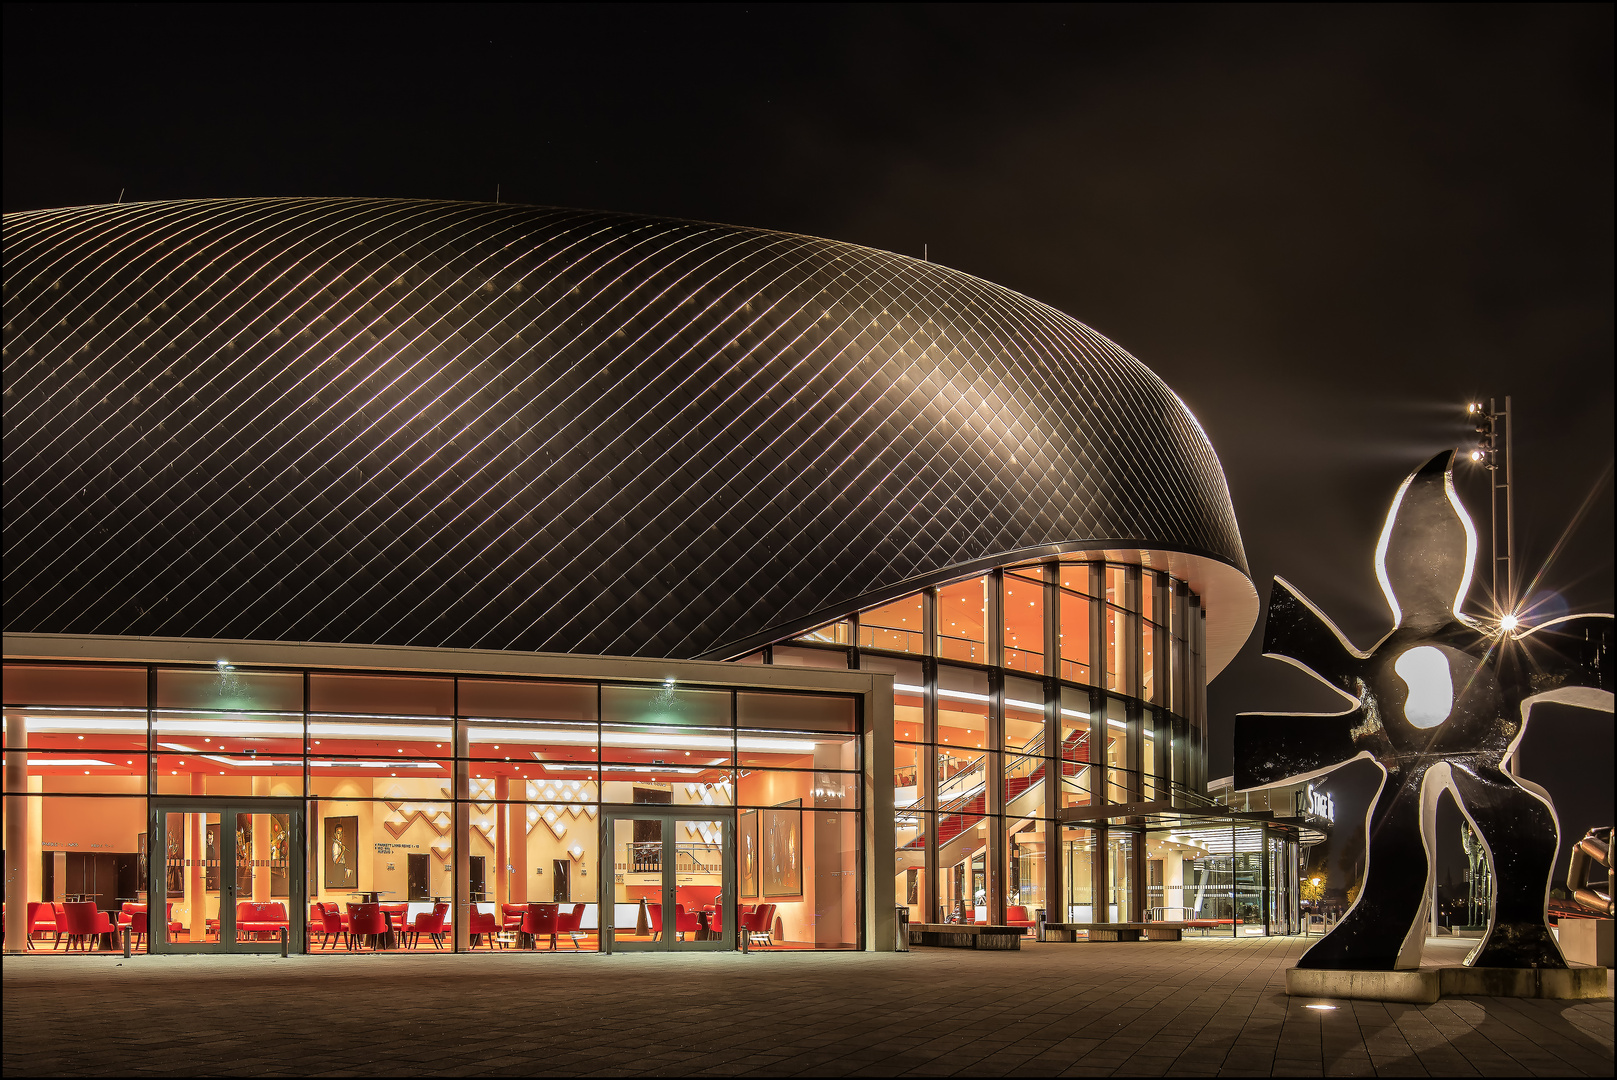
(522, 878)
(19, 854)
(261, 844)
(502, 842)
(196, 853)
(462, 839)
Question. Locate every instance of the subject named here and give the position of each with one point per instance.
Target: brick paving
(1199, 1008)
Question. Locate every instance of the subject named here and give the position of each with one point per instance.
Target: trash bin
(1038, 922)
(902, 937)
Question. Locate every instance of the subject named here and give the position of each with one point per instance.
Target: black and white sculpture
(1439, 704)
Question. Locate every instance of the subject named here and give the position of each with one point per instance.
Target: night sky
(1325, 228)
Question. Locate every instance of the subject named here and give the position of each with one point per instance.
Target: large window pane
(1078, 873)
(1120, 855)
(519, 740)
(89, 772)
(837, 633)
(963, 866)
(895, 627)
(81, 685)
(829, 659)
(807, 875)
(649, 745)
(1024, 623)
(1075, 654)
(229, 774)
(909, 775)
(664, 705)
(528, 699)
(1024, 716)
(1116, 646)
(909, 695)
(963, 620)
(795, 712)
(910, 830)
(384, 695)
(331, 734)
(1117, 587)
(796, 750)
(1024, 870)
(66, 728)
(1148, 661)
(962, 707)
(1074, 577)
(773, 787)
(1077, 748)
(1120, 780)
(83, 849)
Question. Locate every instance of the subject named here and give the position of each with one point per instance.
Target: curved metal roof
(517, 427)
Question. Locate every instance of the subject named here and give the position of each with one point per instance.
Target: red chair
(60, 922)
(83, 923)
(540, 920)
(431, 924)
(133, 919)
(482, 924)
(511, 917)
(715, 922)
(570, 924)
(655, 911)
(366, 921)
(325, 921)
(685, 922)
(760, 924)
(1016, 915)
(37, 923)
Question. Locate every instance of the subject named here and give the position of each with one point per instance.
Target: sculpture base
(1426, 985)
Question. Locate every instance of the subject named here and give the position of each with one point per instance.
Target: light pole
(1493, 453)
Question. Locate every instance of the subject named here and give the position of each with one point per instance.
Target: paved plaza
(1213, 1006)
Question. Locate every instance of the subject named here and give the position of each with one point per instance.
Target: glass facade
(377, 810)
(1076, 670)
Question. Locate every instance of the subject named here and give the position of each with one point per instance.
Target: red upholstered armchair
(366, 921)
(759, 924)
(540, 920)
(41, 920)
(430, 923)
(655, 913)
(84, 922)
(1017, 915)
(482, 925)
(511, 916)
(571, 922)
(685, 922)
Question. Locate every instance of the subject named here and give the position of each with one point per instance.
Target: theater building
(426, 575)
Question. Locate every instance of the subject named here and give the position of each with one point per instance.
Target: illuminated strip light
(374, 765)
(46, 725)
(665, 769)
(41, 762)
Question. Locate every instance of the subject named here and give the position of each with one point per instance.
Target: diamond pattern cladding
(515, 427)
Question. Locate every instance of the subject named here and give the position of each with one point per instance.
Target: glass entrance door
(231, 878)
(673, 879)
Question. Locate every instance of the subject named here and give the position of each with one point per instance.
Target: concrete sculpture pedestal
(1426, 985)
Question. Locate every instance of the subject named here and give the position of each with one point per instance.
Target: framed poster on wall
(340, 852)
(783, 849)
(174, 857)
(747, 839)
(210, 844)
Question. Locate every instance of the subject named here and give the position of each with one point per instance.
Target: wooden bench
(1116, 931)
(967, 936)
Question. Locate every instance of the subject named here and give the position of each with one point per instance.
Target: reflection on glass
(911, 828)
(1076, 748)
(1120, 854)
(1024, 716)
(837, 633)
(1119, 778)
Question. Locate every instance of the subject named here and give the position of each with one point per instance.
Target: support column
(462, 813)
(19, 853)
(196, 872)
(261, 844)
(521, 884)
(502, 843)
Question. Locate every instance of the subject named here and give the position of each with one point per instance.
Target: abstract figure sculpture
(1439, 704)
